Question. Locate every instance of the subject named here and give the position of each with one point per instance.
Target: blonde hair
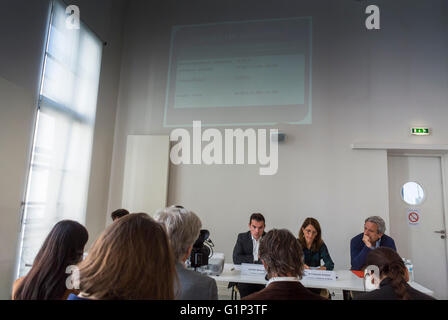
(132, 259)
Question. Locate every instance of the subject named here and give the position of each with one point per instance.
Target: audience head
(256, 225)
(310, 233)
(131, 259)
(390, 266)
(281, 254)
(183, 228)
(64, 246)
(374, 228)
(117, 214)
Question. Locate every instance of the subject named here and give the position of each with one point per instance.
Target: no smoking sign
(413, 217)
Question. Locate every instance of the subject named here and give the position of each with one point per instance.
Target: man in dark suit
(372, 238)
(246, 250)
(282, 257)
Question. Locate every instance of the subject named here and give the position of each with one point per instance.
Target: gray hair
(182, 226)
(379, 222)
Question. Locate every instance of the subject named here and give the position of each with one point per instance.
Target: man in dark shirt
(117, 214)
(246, 250)
(373, 237)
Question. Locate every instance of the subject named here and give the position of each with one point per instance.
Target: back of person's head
(390, 266)
(132, 259)
(282, 254)
(63, 246)
(182, 226)
(118, 214)
(257, 217)
(317, 243)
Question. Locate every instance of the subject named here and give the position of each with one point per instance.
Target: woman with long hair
(64, 246)
(314, 248)
(131, 260)
(393, 277)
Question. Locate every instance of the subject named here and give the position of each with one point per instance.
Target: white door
(145, 182)
(415, 234)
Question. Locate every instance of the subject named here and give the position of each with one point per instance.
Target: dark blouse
(386, 292)
(312, 258)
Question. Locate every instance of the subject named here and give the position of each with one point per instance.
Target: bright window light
(60, 165)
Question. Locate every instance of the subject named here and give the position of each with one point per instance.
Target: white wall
(368, 86)
(22, 30)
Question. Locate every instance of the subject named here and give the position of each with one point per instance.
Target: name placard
(319, 275)
(252, 269)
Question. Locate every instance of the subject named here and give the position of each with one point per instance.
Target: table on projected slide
(346, 280)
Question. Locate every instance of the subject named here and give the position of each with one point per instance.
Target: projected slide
(240, 73)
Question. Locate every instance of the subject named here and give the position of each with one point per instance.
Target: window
(59, 171)
(412, 193)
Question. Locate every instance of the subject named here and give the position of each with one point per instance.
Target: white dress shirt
(256, 245)
(277, 279)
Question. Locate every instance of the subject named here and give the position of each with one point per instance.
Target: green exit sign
(420, 131)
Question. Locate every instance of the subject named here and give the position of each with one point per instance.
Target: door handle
(442, 232)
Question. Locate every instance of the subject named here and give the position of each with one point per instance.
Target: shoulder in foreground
(284, 290)
(75, 297)
(387, 293)
(195, 275)
(418, 295)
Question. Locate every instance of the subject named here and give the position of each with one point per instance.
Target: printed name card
(249, 269)
(319, 275)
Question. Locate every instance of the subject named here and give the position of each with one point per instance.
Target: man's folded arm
(358, 256)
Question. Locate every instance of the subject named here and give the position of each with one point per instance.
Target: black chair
(235, 291)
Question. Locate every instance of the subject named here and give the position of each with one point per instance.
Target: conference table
(345, 280)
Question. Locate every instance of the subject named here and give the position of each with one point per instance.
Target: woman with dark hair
(46, 280)
(314, 248)
(119, 213)
(131, 260)
(394, 278)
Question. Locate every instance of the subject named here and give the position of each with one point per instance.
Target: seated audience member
(246, 250)
(314, 248)
(46, 279)
(394, 278)
(117, 214)
(183, 229)
(373, 237)
(282, 257)
(131, 260)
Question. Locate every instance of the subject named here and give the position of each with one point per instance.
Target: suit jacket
(359, 251)
(243, 250)
(386, 292)
(284, 290)
(195, 286)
